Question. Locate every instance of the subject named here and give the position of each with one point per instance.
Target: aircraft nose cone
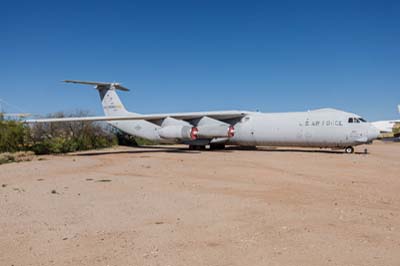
(373, 133)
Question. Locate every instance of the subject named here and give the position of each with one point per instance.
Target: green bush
(70, 136)
(55, 137)
(13, 136)
(63, 137)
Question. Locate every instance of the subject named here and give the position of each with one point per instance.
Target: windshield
(357, 120)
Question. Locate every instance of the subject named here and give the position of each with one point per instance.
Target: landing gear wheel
(214, 146)
(197, 147)
(349, 150)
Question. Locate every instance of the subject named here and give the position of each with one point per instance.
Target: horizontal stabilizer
(100, 85)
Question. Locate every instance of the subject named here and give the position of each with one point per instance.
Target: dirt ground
(170, 206)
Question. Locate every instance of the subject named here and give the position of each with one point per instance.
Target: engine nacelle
(178, 132)
(215, 131)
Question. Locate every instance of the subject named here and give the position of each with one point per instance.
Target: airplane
(11, 115)
(386, 126)
(322, 128)
(15, 115)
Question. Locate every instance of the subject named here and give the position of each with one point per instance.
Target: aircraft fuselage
(318, 128)
(303, 129)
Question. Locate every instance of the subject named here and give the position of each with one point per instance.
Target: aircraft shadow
(185, 150)
(293, 150)
(139, 150)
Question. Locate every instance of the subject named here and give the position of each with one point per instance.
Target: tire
(214, 146)
(349, 150)
(197, 147)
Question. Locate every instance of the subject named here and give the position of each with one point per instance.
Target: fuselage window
(351, 120)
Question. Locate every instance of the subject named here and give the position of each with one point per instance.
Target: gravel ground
(170, 206)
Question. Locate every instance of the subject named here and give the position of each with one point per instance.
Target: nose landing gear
(349, 150)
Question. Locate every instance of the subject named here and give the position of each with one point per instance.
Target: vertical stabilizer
(110, 100)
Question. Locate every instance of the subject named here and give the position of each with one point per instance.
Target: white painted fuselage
(318, 128)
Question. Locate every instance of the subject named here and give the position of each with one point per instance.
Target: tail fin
(112, 104)
(398, 107)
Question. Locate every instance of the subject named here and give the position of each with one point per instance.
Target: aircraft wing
(219, 115)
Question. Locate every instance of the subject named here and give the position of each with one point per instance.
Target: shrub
(396, 130)
(70, 136)
(16, 157)
(13, 136)
(63, 137)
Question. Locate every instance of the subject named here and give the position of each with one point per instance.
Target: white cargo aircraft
(323, 128)
(386, 126)
(15, 115)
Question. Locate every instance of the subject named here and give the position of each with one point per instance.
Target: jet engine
(215, 131)
(178, 132)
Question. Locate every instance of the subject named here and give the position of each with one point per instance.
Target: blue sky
(203, 55)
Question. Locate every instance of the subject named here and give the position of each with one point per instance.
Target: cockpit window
(357, 120)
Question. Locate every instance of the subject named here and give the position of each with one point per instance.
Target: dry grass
(22, 156)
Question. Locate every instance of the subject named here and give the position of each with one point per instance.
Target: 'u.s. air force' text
(322, 123)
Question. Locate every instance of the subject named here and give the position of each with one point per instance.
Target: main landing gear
(197, 147)
(349, 150)
(213, 147)
(217, 146)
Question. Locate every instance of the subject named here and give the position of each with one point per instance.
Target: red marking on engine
(193, 133)
(231, 131)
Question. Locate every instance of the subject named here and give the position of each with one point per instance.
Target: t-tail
(112, 104)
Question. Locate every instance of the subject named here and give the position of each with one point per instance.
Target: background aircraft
(15, 115)
(386, 126)
(18, 115)
(324, 128)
